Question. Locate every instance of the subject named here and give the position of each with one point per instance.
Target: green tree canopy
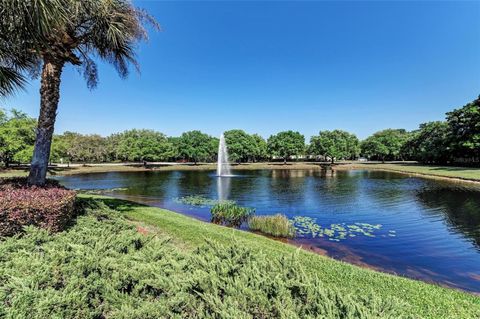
(386, 144)
(260, 149)
(430, 143)
(17, 135)
(241, 146)
(143, 145)
(464, 124)
(197, 146)
(286, 144)
(335, 144)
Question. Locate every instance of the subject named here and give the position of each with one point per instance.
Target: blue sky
(276, 65)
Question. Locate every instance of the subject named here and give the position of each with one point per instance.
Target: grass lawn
(424, 300)
(468, 173)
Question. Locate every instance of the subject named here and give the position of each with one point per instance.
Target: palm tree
(80, 31)
(23, 24)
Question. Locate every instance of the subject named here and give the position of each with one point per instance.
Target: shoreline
(455, 174)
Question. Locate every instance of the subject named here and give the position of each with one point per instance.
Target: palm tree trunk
(49, 96)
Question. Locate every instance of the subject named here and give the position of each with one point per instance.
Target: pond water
(419, 228)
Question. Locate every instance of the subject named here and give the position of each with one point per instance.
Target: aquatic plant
(276, 225)
(230, 214)
(103, 190)
(308, 227)
(199, 200)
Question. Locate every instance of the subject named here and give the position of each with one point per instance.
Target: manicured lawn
(423, 300)
(469, 173)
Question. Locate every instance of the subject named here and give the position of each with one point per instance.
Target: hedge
(50, 207)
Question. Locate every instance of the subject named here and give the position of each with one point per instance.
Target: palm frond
(11, 80)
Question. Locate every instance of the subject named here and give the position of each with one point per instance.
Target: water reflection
(458, 207)
(223, 187)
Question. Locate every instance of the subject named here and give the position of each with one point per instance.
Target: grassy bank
(464, 173)
(424, 300)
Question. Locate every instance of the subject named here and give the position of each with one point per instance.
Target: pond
(419, 228)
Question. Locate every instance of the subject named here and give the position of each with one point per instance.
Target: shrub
(103, 268)
(50, 207)
(230, 214)
(277, 225)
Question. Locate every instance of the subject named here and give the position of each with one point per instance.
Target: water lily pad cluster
(308, 227)
(199, 201)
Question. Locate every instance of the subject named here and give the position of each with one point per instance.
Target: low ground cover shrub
(103, 268)
(50, 207)
(276, 225)
(230, 214)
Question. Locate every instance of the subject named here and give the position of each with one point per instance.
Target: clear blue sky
(274, 65)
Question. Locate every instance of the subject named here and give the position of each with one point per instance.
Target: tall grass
(230, 214)
(277, 225)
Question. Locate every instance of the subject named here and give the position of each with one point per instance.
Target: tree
(386, 144)
(260, 150)
(196, 146)
(241, 146)
(335, 144)
(143, 145)
(24, 25)
(104, 29)
(464, 124)
(17, 135)
(286, 144)
(430, 143)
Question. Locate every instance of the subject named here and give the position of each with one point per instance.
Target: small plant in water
(198, 200)
(277, 225)
(228, 213)
(307, 226)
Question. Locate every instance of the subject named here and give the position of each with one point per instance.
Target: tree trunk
(284, 161)
(332, 159)
(49, 96)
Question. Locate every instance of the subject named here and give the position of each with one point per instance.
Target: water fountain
(223, 167)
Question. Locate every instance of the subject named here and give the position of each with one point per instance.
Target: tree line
(457, 139)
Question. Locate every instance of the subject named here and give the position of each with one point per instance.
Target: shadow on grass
(120, 205)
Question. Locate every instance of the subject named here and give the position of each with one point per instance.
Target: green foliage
(197, 146)
(230, 214)
(385, 145)
(335, 144)
(143, 145)
(17, 136)
(286, 144)
(277, 225)
(103, 268)
(464, 124)
(241, 146)
(260, 148)
(430, 143)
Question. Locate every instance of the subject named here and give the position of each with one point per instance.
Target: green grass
(425, 300)
(468, 173)
(276, 225)
(103, 267)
